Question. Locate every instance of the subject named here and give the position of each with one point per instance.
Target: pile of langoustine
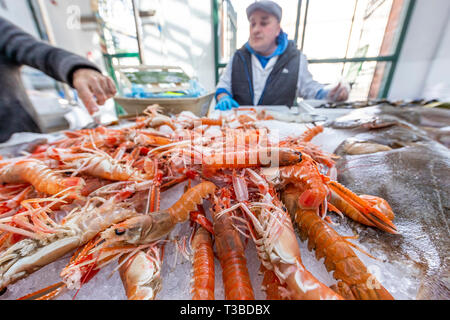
(97, 193)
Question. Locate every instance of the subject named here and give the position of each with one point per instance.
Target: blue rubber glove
(227, 103)
(322, 94)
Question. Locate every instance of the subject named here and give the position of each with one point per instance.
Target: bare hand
(339, 93)
(91, 86)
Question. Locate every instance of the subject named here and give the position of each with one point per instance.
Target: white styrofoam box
(50, 109)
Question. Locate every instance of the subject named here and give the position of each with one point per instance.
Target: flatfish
(412, 172)
(434, 122)
(418, 116)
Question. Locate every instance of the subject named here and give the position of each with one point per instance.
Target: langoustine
(230, 252)
(203, 265)
(132, 236)
(278, 249)
(355, 282)
(41, 248)
(301, 164)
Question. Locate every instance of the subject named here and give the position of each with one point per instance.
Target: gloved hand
(226, 103)
(338, 92)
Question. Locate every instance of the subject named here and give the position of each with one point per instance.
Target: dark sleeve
(23, 48)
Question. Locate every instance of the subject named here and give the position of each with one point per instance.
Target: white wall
(19, 13)
(71, 35)
(424, 60)
(182, 35)
(437, 83)
(185, 38)
(68, 34)
(202, 50)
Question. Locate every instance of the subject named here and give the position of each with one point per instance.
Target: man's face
(264, 29)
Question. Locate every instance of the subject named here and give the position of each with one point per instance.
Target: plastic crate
(198, 106)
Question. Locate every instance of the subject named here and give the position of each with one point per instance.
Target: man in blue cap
(269, 69)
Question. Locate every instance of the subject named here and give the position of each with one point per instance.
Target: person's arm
(224, 93)
(224, 85)
(308, 88)
(78, 72)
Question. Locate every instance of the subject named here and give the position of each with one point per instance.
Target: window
(357, 40)
(225, 24)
